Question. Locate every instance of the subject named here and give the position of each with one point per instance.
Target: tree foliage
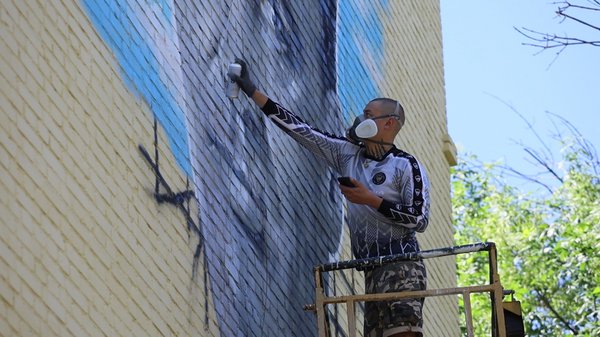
(548, 242)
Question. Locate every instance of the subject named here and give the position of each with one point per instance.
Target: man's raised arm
(337, 151)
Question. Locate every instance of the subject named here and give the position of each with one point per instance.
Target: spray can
(233, 89)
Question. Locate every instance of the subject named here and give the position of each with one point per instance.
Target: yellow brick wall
(85, 248)
(414, 73)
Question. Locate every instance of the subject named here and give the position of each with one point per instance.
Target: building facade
(139, 200)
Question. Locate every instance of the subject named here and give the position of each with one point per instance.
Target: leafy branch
(543, 297)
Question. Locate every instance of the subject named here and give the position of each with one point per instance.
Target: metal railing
(494, 287)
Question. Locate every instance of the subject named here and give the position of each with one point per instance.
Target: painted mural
(270, 237)
(142, 36)
(360, 36)
(268, 211)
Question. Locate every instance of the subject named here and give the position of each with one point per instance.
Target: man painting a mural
(388, 194)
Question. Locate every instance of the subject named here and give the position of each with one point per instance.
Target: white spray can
(232, 89)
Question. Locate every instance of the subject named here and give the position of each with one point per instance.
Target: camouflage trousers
(387, 318)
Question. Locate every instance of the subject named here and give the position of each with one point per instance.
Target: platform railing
(494, 287)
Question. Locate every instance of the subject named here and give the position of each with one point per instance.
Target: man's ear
(389, 123)
(394, 124)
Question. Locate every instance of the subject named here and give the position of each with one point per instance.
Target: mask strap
(375, 141)
(396, 111)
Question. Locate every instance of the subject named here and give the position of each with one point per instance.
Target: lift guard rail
(494, 287)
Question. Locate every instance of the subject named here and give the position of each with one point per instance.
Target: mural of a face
(269, 211)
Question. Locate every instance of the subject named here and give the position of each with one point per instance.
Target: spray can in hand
(233, 89)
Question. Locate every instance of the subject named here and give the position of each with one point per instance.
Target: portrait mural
(268, 210)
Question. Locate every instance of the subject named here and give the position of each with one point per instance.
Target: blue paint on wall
(123, 32)
(360, 34)
(266, 277)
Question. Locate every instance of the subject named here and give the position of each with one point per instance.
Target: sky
(489, 72)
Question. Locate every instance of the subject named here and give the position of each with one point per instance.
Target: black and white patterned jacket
(398, 178)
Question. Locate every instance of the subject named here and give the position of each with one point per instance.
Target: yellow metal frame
(494, 288)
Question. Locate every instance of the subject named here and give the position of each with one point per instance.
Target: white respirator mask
(364, 128)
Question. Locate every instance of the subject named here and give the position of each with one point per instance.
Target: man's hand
(244, 80)
(360, 194)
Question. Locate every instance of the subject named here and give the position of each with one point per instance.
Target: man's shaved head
(391, 107)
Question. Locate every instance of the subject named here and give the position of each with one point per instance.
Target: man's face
(374, 111)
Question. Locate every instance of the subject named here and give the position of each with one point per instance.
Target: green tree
(548, 241)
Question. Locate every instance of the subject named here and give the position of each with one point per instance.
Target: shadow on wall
(269, 211)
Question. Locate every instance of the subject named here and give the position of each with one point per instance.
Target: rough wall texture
(86, 249)
(414, 72)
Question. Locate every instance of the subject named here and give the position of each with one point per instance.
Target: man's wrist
(375, 201)
(260, 99)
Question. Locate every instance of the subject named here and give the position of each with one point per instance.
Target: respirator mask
(364, 128)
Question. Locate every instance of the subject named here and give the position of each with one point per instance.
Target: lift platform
(506, 315)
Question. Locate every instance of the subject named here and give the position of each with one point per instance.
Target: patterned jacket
(398, 178)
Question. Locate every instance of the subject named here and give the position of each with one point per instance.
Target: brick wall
(396, 48)
(86, 249)
(414, 72)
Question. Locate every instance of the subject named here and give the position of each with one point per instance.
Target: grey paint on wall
(269, 211)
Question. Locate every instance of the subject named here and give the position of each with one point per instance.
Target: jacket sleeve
(335, 150)
(413, 211)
